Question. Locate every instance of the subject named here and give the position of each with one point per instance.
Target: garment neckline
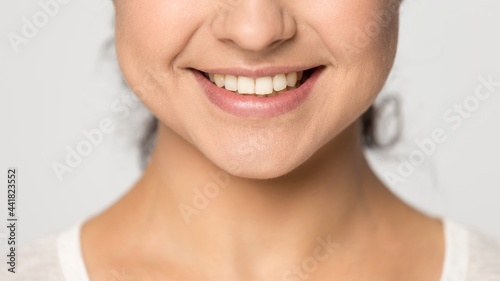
(456, 254)
(454, 267)
(70, 254)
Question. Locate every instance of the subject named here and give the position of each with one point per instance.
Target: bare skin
(307, 181)
(258, 232)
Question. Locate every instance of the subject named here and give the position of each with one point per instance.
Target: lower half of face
(257, 86)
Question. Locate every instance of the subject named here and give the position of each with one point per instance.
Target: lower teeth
(274, 93)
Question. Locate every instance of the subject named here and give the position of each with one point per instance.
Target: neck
(214, 218)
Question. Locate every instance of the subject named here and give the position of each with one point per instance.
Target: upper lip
(256, 72)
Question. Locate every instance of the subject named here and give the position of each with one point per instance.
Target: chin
(260, 165)
(267, 171)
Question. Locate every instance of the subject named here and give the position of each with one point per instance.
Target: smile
(268, 86)
(264, 93)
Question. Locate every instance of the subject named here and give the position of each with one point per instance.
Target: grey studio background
(63, 81)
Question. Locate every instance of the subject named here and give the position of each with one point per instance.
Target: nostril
(253, 25)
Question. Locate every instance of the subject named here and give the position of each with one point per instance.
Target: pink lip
(257, 107)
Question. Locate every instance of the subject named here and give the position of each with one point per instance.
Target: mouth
(263, 87)
(264, 93)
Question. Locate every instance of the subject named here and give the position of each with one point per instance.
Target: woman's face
(345, 47)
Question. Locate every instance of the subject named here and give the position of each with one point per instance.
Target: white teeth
(231, 83)
(246, 85)
(279, 82)
(291, 79)
(219, 80)
(264, 85)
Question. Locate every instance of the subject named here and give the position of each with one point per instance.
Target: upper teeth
(260, 86)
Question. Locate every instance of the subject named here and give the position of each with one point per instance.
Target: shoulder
(36, 261)
(472, 255)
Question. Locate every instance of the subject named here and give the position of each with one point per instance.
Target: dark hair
(369, 129)
(148, 140)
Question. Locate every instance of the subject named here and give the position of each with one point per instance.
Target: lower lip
(257, 107)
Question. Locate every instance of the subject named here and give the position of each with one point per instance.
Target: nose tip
(254, 25)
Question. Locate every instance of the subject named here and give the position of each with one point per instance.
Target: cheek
(357, 31)
(150, 34)
(361, 38)
(362, 42)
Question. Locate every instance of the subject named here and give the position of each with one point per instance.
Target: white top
(469, 256)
